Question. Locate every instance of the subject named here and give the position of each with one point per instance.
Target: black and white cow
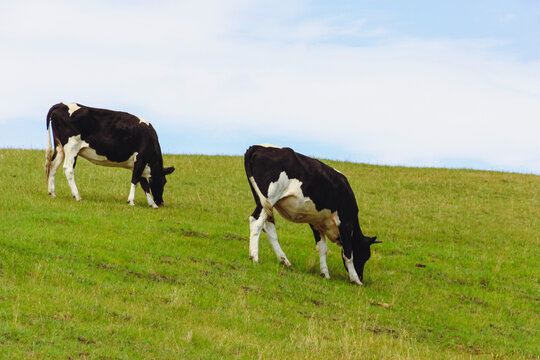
(305, 190)
(108, 138)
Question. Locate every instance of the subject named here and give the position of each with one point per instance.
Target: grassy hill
(98, 279)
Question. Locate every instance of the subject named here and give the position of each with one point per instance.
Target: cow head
(157, 184)
(362, 253)
(351, 237)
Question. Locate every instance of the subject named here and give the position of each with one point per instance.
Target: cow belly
(90, 154)
(303, 210)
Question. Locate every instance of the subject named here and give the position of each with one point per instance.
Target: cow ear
(374, 240)
(168, 170)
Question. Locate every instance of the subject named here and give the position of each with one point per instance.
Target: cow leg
(136, 177)
(146, 187)
(270, 229)
(322, 249)
(345, 232)
(131, 196)
(58, 157)
(256, 224)
(71, 150)
(353, 276)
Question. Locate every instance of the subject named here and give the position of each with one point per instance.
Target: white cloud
(401, 101)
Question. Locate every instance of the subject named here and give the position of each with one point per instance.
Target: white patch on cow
(72, 107)
(353, 276)
(322, 249)
(143, 121)
(271, 234)
(270, 146)
(71, 150)
(255, 228)
(283, 188)
(55, 164)
(151, 201)
(131, 197)
(91, 155)
(337, 221)
(53, 168)
(287, 197)
(147, 172)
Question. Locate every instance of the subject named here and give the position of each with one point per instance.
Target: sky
(413, 83)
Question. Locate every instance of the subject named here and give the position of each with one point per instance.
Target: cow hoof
(154, 206)
(356, 282)
(52, 195)
(255, 259)
(325, 276)
(131, 203)
(287, 264)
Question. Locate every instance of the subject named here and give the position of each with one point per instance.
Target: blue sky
(415, 83)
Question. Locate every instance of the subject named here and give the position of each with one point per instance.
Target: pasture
(457, 275)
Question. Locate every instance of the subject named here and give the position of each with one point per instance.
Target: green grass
(98, 279)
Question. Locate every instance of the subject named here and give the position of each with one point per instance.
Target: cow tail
(49, 152)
